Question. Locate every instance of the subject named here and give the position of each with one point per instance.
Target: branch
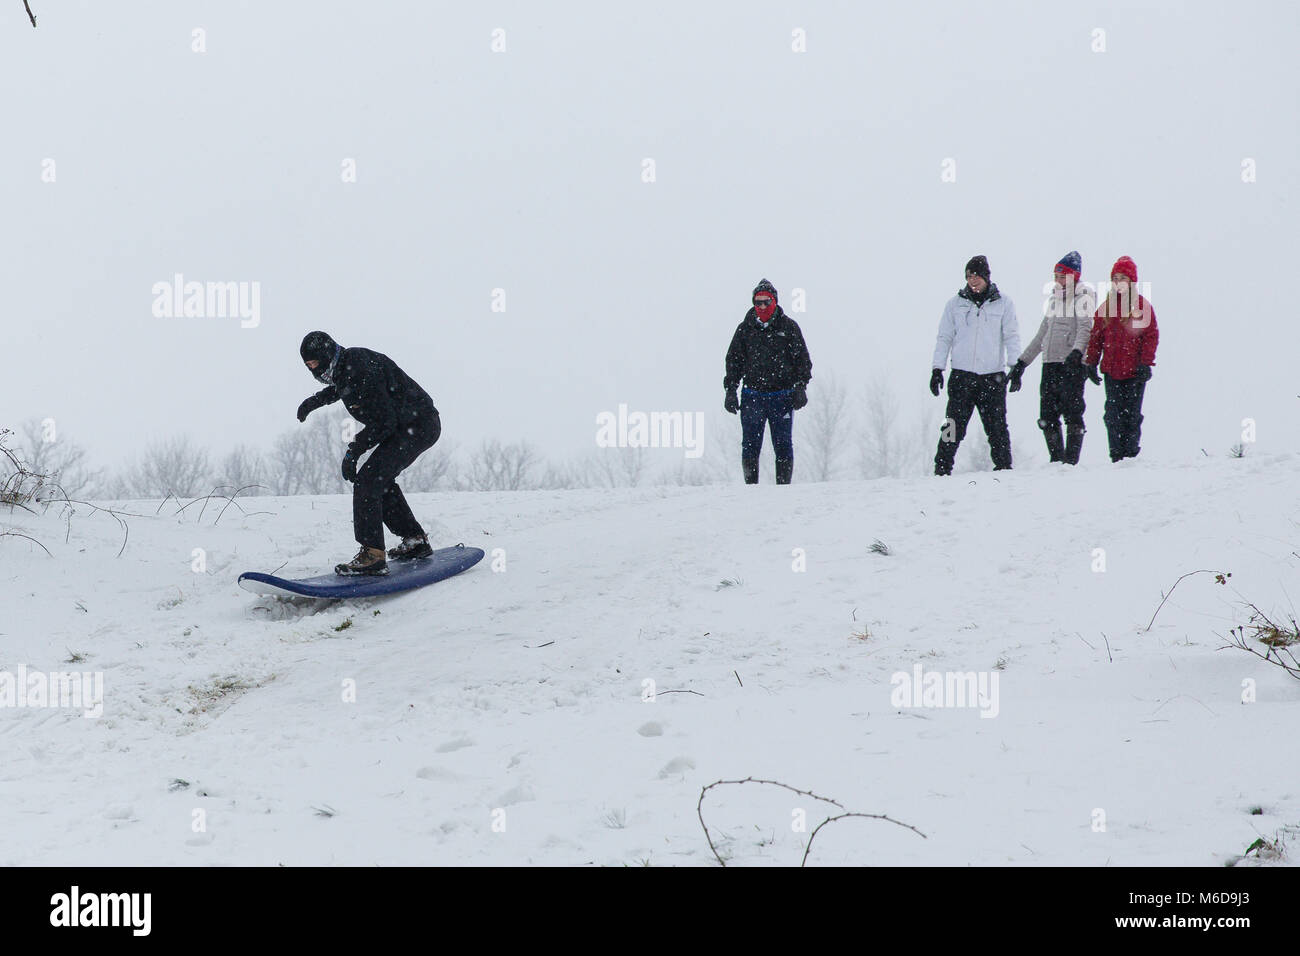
(1279, 640)
(19, 534)
(699, 812)
(1219, 576)
(31, 16)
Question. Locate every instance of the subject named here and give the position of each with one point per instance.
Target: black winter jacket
(379, 395)
(769, 358)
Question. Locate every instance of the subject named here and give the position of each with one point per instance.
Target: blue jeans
(758, 409)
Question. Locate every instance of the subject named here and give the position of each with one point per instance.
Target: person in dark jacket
(400, 423)
(769, 355)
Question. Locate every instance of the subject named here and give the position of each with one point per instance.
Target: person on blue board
(401, 423)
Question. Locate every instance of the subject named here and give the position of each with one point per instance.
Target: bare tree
(242, 468)
(882, 445)
(607, 468)
(823, 431)
(498, 467)
(719, 462)
(63, 460)
(307, 460)
(171, 466)
(894, 445)
(435, 470)
(287, 463)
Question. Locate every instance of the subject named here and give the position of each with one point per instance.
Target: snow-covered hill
(505, 716)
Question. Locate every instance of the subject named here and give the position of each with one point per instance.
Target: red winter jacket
(1123, 342)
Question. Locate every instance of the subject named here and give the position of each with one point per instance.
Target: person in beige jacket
(1062, 338)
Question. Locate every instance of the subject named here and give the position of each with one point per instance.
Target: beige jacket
(1066, 325)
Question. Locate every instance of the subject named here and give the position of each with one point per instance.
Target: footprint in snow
(676, 767)
(437, 773)
(458, 744)
(520, 794)
(651, 729)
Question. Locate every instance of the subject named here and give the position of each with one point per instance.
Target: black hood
(321, 347)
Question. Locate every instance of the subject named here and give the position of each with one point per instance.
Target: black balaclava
(321, 347)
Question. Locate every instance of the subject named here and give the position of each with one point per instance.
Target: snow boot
(1052, 435)
(784, 470)
(750, 465)
(367, 561)
(1073, 443)
(411, 548)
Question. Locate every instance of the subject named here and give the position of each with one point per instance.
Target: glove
(1143, 373)
(799, 398)
(350, 465)
(936, 381)
(1074, 359)
(1017, 370)
(308, 406)
(732, 402)
(1092, 374)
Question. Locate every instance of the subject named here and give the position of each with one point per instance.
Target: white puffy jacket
(980, 338)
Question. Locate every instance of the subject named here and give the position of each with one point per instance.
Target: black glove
(308, 406)
(1074, 359)
(799, 397)
(350, 465)
(1092, 374)
(936, 381)
(1017, 370)
(1143, 373)
(732, 402)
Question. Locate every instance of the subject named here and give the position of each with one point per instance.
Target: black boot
(1052, 435)
(411, 548)
(750, 465)
(1073, 443)
(784, 470)
(944, 457)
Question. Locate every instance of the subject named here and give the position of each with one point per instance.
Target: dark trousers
(966, 393)
(376, 499)
(1060, 393)
(1124, 416)
(767, 409)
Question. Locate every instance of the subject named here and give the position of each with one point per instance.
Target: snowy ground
(499, 716)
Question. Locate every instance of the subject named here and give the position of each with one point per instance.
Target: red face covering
(765, 312)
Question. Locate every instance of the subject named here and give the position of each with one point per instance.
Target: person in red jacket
(1123, 340)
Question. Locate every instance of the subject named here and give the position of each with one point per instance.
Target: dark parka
(377, 393)
(770, 357)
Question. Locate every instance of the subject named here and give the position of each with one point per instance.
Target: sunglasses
(762, 303)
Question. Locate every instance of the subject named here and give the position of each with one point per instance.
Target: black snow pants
(968, 391)
(1060, 393)
(1124, 416)
(376, 499)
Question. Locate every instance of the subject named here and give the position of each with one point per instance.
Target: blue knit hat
(1071, 262)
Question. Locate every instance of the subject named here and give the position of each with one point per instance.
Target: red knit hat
(1126, 267)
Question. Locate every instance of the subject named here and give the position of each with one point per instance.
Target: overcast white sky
(522, 170)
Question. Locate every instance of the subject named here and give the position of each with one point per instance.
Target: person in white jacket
(980, 334)
(1063, 339)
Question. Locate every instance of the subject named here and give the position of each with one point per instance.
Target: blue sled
(401, 576)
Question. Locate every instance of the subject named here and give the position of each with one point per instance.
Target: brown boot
(367, 561)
